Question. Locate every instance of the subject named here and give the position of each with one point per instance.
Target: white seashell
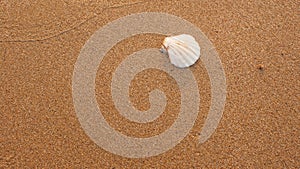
(183, 50)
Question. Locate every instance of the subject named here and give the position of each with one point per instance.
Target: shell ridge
(177, 53)
(188, 52)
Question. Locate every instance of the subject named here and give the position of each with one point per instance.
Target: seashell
(183, 50)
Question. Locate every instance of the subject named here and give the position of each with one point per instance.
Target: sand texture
(257, 43)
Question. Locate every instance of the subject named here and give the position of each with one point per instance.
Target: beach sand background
(257, 42)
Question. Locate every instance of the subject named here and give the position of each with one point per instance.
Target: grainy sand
(257, 42)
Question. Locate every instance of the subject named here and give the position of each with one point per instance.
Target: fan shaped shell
(183, 50)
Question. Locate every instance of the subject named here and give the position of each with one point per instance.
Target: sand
(258, 45)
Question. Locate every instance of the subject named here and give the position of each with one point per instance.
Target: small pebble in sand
(261, 67)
